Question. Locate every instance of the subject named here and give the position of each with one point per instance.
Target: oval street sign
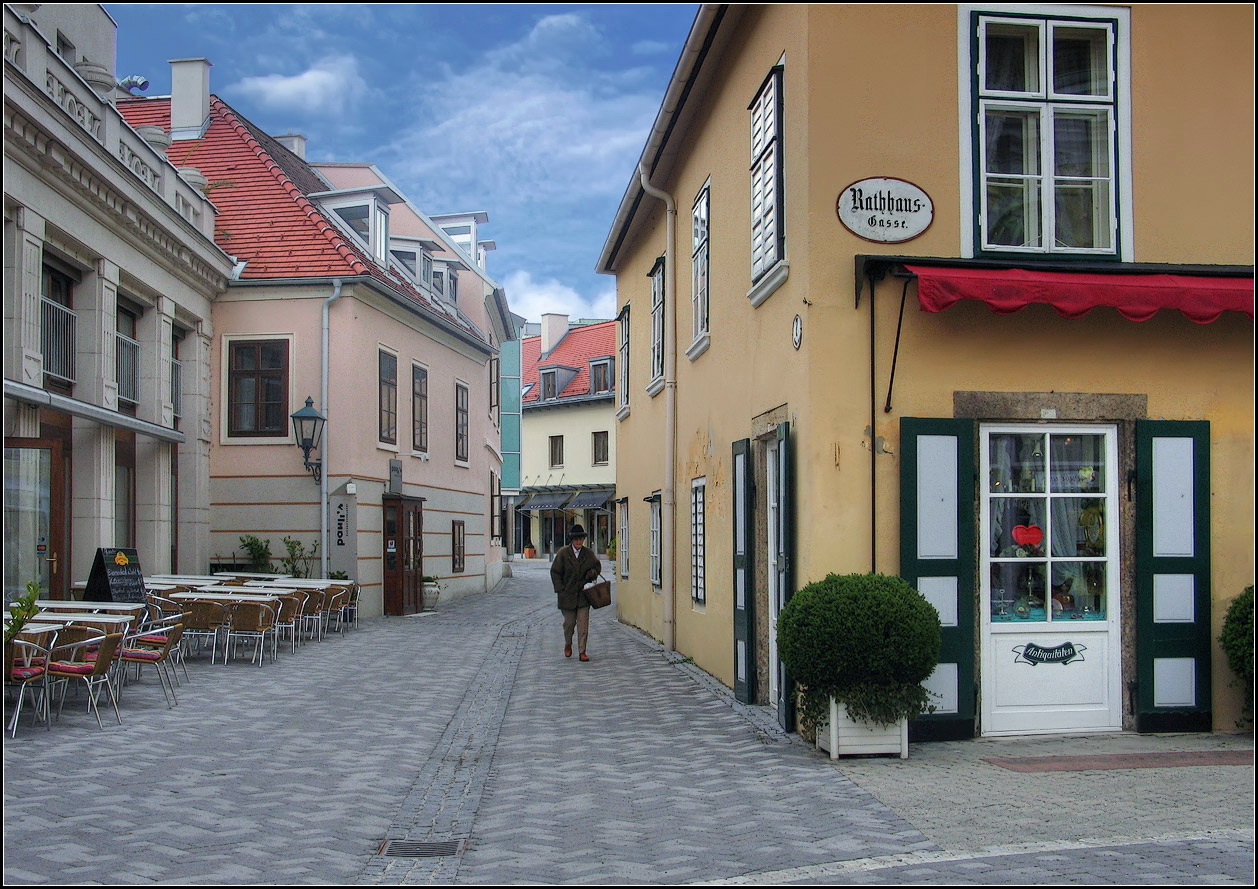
(885, 210)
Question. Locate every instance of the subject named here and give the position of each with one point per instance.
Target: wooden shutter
(1173, 576)
(937, 556)
(744, 574)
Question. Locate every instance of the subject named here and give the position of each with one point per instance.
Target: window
(601, 377)
(1046, 153)
(622, 538)
(57, 327)
(257, 388)
(698, 539)
(409, 260)
(124, 488)
(655, 541)
(461, 431)
(419, 409)
(699, 265)
(622, 397)
(439, 283)
(657, 322)
(496, 515)
(388, 398)
(458, 547)
(495, 385)
(548, 385)
(556, 451)
(427, 269)
(767, 239)
(127, 355)
(600, 449)
(370, 222)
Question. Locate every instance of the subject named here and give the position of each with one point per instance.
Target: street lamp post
(308, 429)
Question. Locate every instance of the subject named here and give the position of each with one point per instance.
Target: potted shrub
(859, 646)
(21, 610)
(259, 551)
(1237, 640)
(432, 592)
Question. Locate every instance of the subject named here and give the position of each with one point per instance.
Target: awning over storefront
(1073, 294)
(591, 499)
(547, 501)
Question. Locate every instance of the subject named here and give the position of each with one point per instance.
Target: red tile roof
(577, 349)
(265, 217)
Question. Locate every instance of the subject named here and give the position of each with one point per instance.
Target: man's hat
(576, 532)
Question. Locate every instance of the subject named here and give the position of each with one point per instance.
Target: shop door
(1049, 548)
(403, 555)
(34, 517)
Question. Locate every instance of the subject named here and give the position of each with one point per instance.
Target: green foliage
(259, 551)
(298, 562)
(611, 549)
(22, 609)
(338, 575)
(866, 640)
(1237, 640)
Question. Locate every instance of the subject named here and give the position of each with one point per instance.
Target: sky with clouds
(535, 114)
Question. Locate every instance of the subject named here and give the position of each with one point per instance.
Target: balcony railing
(57, 326)
(128, 368)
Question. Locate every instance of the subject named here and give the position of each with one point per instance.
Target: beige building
(568, 434)
(110, 272)
(930, 290)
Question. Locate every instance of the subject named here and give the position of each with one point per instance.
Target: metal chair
(251, 620)
(146, 647)
(206, 620)
(25, 664)
(90, 660)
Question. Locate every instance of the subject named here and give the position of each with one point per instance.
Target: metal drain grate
(428, 849)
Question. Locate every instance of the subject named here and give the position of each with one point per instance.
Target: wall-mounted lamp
(308, 429)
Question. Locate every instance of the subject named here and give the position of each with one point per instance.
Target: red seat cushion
(22, 674)
(71, 667)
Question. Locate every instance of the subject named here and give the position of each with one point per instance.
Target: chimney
(189, 98)
(554, 329)
(294, 142)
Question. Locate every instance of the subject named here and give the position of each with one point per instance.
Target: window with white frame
(622, 537)
(622, 395)
(369, 220)
(388, 398)
(655, 541)
(767, 239)
(699, 264)
(556, 452)
(461, 426)
(657, 321)
(698, 539)
(1046, 146)
(600, 449)
(601, 376)
(549, 389)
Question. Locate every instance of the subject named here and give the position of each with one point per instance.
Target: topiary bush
(866, 640)
(1237, 640)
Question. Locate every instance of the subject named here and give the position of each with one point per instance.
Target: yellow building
(960, 293)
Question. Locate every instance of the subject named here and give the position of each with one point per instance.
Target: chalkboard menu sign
(115, 577)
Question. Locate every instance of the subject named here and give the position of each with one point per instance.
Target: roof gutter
(702, 34)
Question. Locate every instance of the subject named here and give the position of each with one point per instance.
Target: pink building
(328, 304)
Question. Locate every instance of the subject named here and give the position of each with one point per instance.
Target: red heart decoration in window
(1028, 535)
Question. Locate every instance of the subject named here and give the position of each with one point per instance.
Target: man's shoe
(584, 656)
(567, 650)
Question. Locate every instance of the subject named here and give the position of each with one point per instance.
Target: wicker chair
(156, 648)
(153, 635)
(251, 620)
(351, 607)
(312, 614)
(337, 597)
(25, 664)
(90, 660)
(206, 620)
(288, 618)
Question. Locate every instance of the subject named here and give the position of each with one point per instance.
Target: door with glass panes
(1049, 549)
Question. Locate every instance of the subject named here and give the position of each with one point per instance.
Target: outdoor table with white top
(133, 608)
(251, 576)
(65, 618)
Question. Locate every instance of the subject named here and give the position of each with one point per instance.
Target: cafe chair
(206, 620)
(287, 620)
(251, 620)
(145, 647)
(312, 614)
(351, 606)
(334, 608)
(90, 660)
(25, 664)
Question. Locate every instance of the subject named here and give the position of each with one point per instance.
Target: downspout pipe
(327, 437)
(668, 496)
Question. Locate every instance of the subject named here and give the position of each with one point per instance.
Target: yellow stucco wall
(874, 91)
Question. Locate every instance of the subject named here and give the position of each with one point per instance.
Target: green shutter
(1173, 644)
(937, 519)
(785, 559)
(743, 535)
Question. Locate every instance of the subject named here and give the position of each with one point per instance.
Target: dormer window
(548, 385)
(365, 213)
(601, 376)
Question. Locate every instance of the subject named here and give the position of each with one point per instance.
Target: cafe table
(245, 575)
(64, 618)
(95, 607)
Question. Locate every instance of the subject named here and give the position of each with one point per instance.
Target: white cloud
(328, 86)
(532, 299)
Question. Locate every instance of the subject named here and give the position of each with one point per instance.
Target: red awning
(1074, 294)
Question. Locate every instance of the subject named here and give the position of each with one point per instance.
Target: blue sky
(535, 114)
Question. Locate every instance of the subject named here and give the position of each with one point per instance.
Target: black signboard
(115, 577)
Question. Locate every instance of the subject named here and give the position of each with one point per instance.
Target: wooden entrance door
(35, 512)
(403, 541)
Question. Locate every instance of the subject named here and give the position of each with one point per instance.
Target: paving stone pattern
(469, 725)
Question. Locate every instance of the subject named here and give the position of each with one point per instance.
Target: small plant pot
(432, 593)
(839, 735)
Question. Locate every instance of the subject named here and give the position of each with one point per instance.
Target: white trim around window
(700, 256)
(656, 574)
(1032, 105)
(657, 327)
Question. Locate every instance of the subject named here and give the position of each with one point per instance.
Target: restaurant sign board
(885, 210)
(115, 577)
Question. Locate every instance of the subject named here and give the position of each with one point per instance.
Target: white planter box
(840, 736)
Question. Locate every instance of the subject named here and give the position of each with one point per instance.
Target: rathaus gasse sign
(885, 210)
